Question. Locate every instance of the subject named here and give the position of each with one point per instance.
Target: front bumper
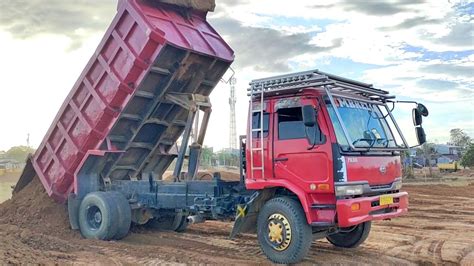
(369, 209)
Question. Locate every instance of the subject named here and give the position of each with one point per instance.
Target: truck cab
(329, 144)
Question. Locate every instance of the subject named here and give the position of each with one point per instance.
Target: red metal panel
(348, 217)
(377, 170)
(137, 34)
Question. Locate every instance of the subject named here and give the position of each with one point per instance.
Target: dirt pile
(225, 175)
(208, 175)
(32, 208)
(202, 5)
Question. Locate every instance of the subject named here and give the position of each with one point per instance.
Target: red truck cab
(333, 146)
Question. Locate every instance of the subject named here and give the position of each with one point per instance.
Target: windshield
(365, 124)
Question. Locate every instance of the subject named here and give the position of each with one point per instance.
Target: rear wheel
(124, 215)
(177, 223)
(98, 216)
(283, 233)
(180, 223)
(351, 237)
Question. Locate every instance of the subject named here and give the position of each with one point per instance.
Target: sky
(420, 50)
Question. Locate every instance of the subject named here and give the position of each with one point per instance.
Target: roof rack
(296, 82)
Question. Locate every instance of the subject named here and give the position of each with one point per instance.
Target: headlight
(397, 184)
(349, 190)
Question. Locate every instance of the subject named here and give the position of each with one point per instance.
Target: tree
(207, 155)
(468, 158)
(407, 164)
(459, 138)
(19, 153)
(427, 150)
(227, 157)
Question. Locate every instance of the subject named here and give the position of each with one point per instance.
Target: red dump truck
(321, 157)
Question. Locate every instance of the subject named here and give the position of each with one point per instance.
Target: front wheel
(350, 237)
(283, 233)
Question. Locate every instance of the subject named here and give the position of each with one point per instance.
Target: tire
(124, 220)
(352, 238)
(161, 223)
(176, 223)
(98, 216)
(283, 233)
(180, 223)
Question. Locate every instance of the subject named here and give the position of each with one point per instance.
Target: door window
(291, 126)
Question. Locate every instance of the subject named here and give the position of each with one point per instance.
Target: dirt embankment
(32, 208)
(438, 230)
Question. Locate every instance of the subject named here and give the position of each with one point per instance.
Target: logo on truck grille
(383, 169)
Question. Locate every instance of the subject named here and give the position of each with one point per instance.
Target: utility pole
(232, 101)
(28, 140)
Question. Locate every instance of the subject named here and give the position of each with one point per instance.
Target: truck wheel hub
(94, 217)
(98, 217)
(279, 232)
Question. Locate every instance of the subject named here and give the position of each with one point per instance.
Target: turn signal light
(355, 207)
(323, 187)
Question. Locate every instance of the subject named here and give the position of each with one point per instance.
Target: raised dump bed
(119, 103)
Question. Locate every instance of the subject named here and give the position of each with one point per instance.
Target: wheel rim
(94, 217)
(279, 232)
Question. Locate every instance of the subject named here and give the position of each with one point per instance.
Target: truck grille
(376, 187)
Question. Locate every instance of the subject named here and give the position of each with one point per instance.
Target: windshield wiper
(365, 139)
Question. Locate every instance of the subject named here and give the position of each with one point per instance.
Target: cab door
(294, 158)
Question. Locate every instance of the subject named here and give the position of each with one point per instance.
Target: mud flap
(26, 176)
(246, 216)
(73, 204)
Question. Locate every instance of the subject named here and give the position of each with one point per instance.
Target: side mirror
(309, 116)
(422, 109)
(417, 118)
(420, 135)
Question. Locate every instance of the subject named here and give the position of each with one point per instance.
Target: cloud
(322, 6)
(413, 22)
(379, 8)
(454, 70)
(435, 84)
(232, 3)
(461, 34)
(266, 49)
(74, 19)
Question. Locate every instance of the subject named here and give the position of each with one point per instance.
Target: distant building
(3, 154)
(445, 153)
(448, 149)
(10, 164)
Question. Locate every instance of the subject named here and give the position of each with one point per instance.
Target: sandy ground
(7, 180)
(438, 230)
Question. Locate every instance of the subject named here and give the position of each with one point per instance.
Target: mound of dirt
(32, 208)
(208, 175)
(225, 175)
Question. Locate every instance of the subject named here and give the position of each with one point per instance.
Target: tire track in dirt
(439, 229)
